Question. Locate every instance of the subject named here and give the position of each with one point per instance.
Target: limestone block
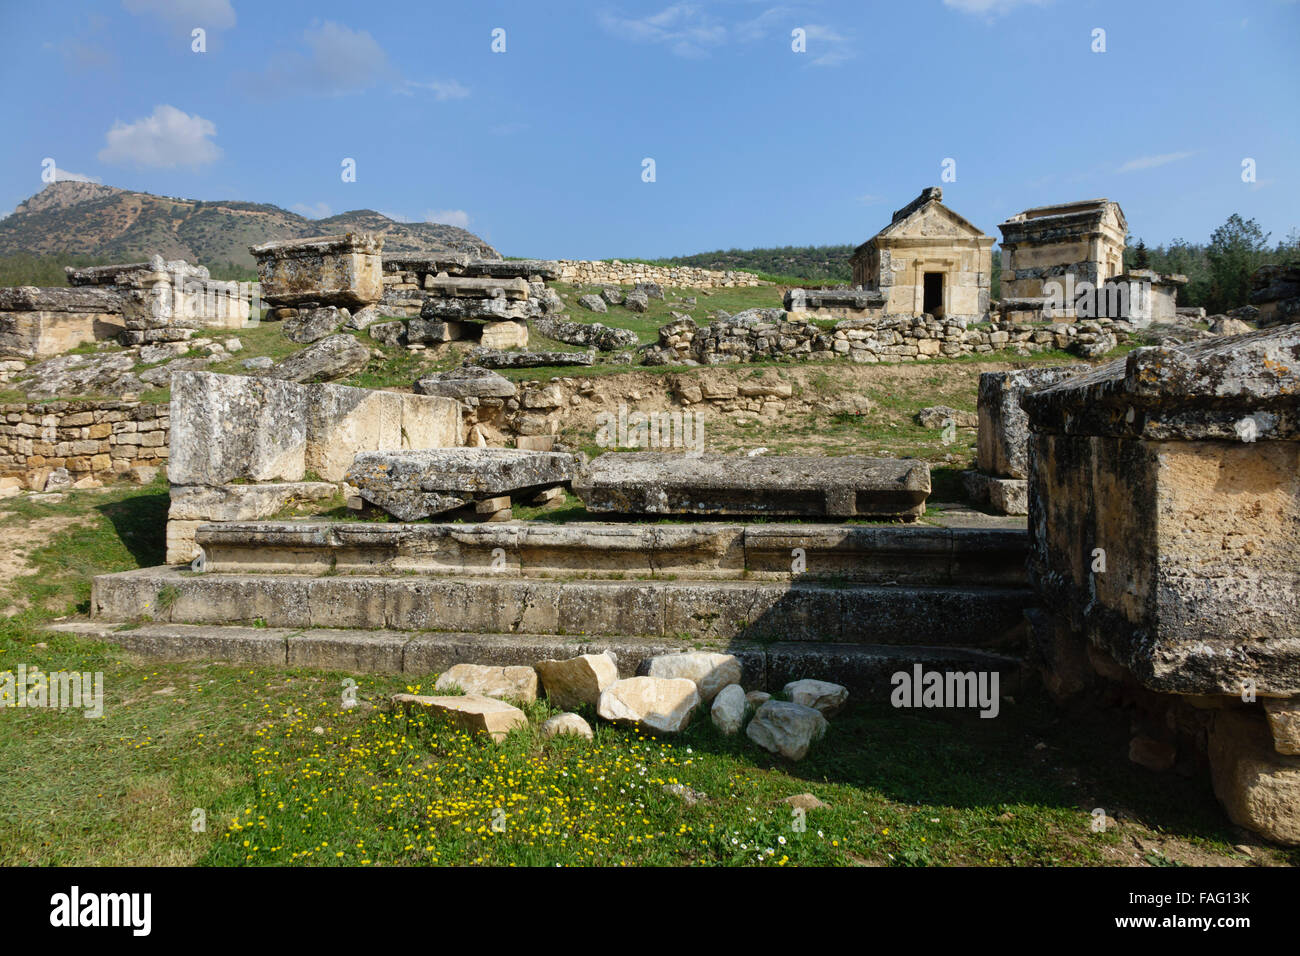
(728, 710)
(823, 696)
(786, 728)
(662, 705)
(1003, 425)
(577, 681)
(515, 683)
(472, 711)
(1284, 723)
(343, 270)
(504, 335)
(230, 427)
(1259, 788)
(710, 672)
(562, 724)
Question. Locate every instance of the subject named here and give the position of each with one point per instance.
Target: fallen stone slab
(472, 711)
(496, 358)
(470, 381)
(578, 680)
(333, 357)
(786, 728)
(660, 483)
(416, 484)
(663, 705)
(312, 323)
(709, 672)
(515, 683)
(603, 338)
(513, 268)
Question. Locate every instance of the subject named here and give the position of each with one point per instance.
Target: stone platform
(667, 609)
(866, 669)
(652, 483)
(885, 555)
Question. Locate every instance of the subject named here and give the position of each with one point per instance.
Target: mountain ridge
(91, 219)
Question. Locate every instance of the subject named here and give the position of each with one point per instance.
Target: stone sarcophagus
(1164, 521)
(345, 271)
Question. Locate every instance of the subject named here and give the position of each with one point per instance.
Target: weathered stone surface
(1181, 465)
(662, 705)
(656, 483)
(786, 728)
(562, 724)
(504, 335)
(612, 296)
(65, 375)
(472, 711)
(1003, 426)
(579, 680)
(336, 356)
(492, 358)
(26, 298)
(756, 698)
(1259, 787)
(514, 683)
(710, 671)
(415, 484)
(230, 427)
(940, 416)
(848, 300)
(1004, 496)
(342, 270)
(392, 334)
(587, 334)
(1284, 724)
(805, 801)
(637, 301)
(728, 710)
(469, 381)
(1155, 755)
(593, 303)
(247, 502)
(823, 696)
(313, 323)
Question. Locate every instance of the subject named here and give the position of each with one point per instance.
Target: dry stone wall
(615, 272)
(767, 334)
(46, 446)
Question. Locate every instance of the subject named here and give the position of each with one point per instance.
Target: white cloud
(991, 8)
(448, 217)
(169, 137)
(827, 47)
(184, 15)
(337, 60)
(441, 89)
(686, 29)
(317, 210)
(1151, 162)
(63, 176)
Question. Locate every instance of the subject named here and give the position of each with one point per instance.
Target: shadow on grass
(141, 525)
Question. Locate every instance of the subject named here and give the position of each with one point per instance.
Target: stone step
(869, 554)
(863, 668)
(723, 610)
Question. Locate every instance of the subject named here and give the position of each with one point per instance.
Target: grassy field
(282, 774)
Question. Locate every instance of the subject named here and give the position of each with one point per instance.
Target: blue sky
(540, 148)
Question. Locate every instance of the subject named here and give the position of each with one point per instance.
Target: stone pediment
(931, 221)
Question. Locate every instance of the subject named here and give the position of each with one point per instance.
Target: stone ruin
(1164, 523)
(139, 303)
(999, 482)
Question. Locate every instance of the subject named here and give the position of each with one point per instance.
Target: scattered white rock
(786, 728)
(728, 710)
(514, 683)
(565, 724)
(821, 695)
(757, 698)
(664, 705)
(579, 680)
(710, 672)
(472, 711)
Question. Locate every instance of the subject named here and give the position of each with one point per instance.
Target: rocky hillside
(88, 219)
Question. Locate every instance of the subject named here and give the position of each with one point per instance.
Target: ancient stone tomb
(1164, 528)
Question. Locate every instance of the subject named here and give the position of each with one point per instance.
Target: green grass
(372, 787)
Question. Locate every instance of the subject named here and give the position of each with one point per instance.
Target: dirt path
(18, 539)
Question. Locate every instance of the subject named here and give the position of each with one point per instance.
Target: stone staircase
(852, 603)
